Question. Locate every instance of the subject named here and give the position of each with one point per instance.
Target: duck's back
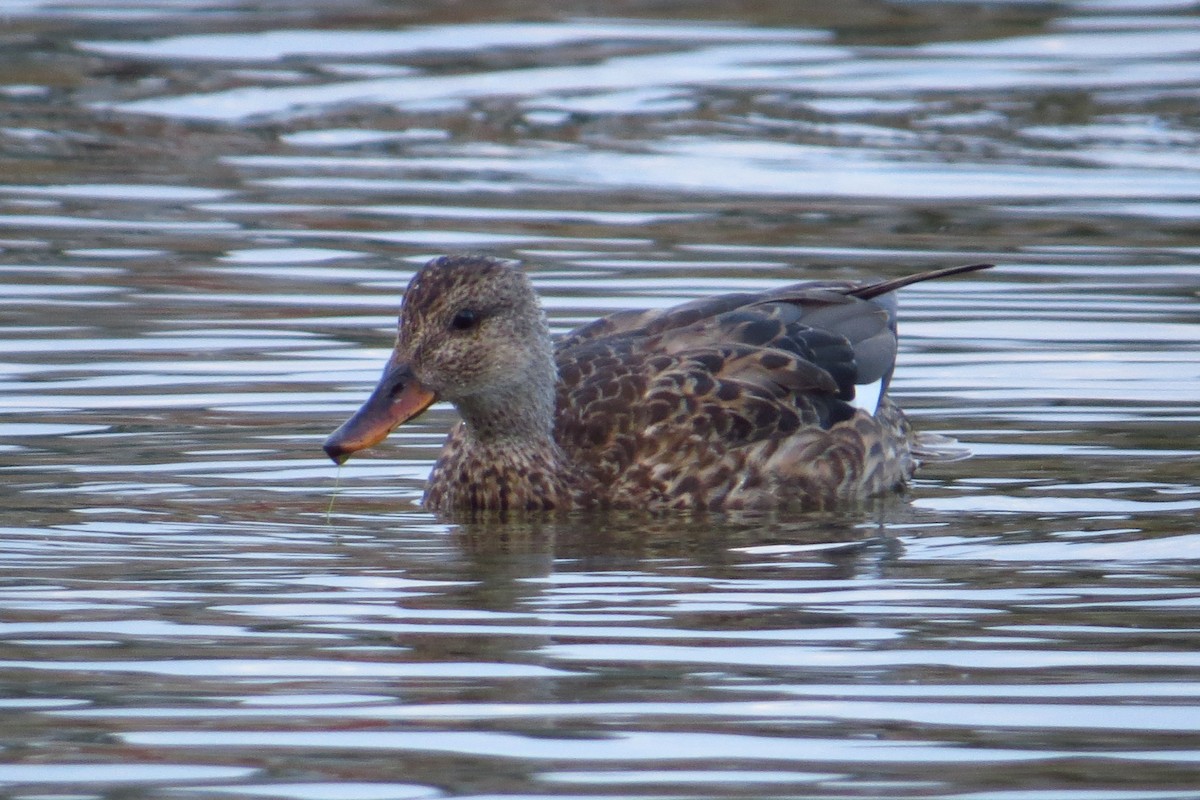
(738, 401)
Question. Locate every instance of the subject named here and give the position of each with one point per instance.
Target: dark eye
(465, 320)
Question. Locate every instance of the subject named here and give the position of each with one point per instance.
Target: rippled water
(209, 211)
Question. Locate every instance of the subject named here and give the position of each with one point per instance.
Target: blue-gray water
(208, 213)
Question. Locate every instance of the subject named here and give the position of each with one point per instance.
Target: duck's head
(472, 332)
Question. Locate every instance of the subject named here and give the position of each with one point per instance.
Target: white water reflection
(718, 65)
(91, 774)
(617, 747)
(277, 45)
(112, 192)
(1066, 58)
(923, 710)
(691, 165)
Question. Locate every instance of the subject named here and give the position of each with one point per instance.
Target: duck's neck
(519, 408)
(518, 414)
(503, 457)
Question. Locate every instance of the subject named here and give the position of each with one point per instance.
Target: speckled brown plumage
(730, 402)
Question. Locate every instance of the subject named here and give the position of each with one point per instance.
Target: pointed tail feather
(883, 287)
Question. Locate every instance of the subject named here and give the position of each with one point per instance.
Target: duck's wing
(723, 373)
(647, 323)
(861, 313)
(816, 325)
(752, 374)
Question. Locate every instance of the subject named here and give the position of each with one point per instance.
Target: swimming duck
(757, 400)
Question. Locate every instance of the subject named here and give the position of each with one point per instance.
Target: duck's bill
(397, 398)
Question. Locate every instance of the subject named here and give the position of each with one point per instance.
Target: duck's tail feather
(883, 287)
(936, 447)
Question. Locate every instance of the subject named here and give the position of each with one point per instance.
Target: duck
(756, 400)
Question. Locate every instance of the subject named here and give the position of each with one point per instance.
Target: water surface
(209, 212)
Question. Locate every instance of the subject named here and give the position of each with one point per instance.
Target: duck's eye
(465, 320)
